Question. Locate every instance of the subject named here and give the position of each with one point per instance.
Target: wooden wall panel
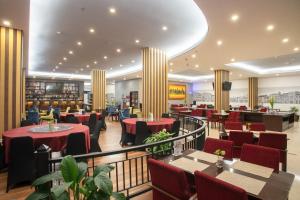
(221, 97)
(253, 92)
(11, 78)
(98, 88)
(155, 82)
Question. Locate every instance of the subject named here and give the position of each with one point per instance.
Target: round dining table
(154, 126)
(57, 141)
(81, 117)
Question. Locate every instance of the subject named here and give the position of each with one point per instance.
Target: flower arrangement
(220, 153)
(272, 102)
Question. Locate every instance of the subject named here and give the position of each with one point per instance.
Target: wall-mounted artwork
(177, 91)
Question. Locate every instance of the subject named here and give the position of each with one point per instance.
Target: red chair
(263, 109)
(234, 117)
(243, 108)
(257, 127)
(265, 156)
(277, 141)
(234, 125)
(202, 106)
(197, 112)
(211, 188)
(211, 145)
(211, 118)
(168, 181)
(239, 138)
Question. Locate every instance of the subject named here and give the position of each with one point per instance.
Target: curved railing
(131, 174)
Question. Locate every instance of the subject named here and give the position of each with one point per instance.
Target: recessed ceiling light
(121, 65)
(81, 69)
(241, 75)
(71, 52)
(56, 67)
(270, 27)
(112, 10)
(232, 59)
(137, 41)
(219, 42)
(60, 63)
(92, 30)
(285, 40)
(95, 62)
(65, 58)
(194, 56)
(196, 66)
(230, 73)
(211, 69)
(296, 49)
(132, 61)
(6, 23)
(79, 43)
(234, 17)
(171, 64)
(87, 66)
(118, 50)
(164, 28)
(111, 68)
(58, 32)
(171, 70)
(105, 57)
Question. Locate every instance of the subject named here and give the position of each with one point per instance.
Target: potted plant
(163, 149)
(220, 153)
(295, 110)
(75, 184)
(272, 102)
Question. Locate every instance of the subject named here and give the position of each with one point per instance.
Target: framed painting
(177, 92)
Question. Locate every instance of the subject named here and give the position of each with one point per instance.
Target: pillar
(252, 92)
(98, 88)
(11, 78)
(155, 82)
(221, 96)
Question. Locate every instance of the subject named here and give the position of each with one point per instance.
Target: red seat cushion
(211, 145)
(210, 188)
(265, 156)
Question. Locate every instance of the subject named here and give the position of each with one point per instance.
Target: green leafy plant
(272, 102)
(294, 109)
(160, 136)
(75, 184)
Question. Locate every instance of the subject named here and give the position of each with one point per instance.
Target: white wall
(123, 89)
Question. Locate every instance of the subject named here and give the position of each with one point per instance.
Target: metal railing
(131, 174)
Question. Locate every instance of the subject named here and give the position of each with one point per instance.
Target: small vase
(220, 162)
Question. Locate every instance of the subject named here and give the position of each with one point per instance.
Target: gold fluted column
(98, 88)
(252, 92)
(155, 82)
(11, 78)
(221, 96)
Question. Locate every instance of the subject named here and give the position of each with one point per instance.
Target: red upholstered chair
(234, 117)
(210, 118)
(277, 141)
(168, 181)
(257, 127)
(197, 112)
(263, 109)
(211, 145)
(265, 156)
(234, 125)
(202, 106)
(243, 108)
(211, 188)
(239, 138)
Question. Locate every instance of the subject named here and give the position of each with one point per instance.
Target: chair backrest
(92, 120)
(263, 109)
(142, 132)
(169, 179)
(211, 145)
(21, 150)
(97, 127)
(211, 188)
(26, 123)
(33, 117)
(209, 113)
(243, 108)
(70, 118)
(234, 117)
(76, 144)
(165, 115)
(257, 126)
(133, 115)
(197, 112)
(265, 156)
(241, 137)
(234, 125)
(176, 128)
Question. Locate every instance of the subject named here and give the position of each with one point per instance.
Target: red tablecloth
(154, 126)
(57, 140)
(81, 117)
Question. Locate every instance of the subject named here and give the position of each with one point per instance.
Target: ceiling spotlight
(56, 67)
(118, 50)
(285, 40)
(60, 63)
(211, 69)
(230, 73)
(87, 66)
(164, 28)
(58, 32)
(171, 64)
(112, 10)
(92, 30)
(137, 41)
(194, 56)
(71, 52)
(6, 23)
(132, 61)
(65, 58)
(234, 17)
(95, 62)
(232, 59)
(196, 66)
(81, 69)
(219, 42)
(270, 27)
(53, 70)
(79, 43)
(111, 68)
(105, 57)
(171, 70)
(121, 65)
(296, 49)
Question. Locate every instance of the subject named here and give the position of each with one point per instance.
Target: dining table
(258, 181)
(81, 117)
(154, 125)
(55, 136)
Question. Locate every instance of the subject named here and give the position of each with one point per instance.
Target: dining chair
(277, 141)
(92, 122)
(126, 139)
(257, 126)
(211, 118)
(168, 182)
(102, 118)
(26, 123)
(175, 128)
(211, 145)
(21, 166)
(94, 137)
(33, 117)
(197, 112)
(239, 138)
(260, 155)
(234, 117)
(76, 144)
(211, 188)
(133, 116)
(70, 118)
(233, 125)
(142, 132)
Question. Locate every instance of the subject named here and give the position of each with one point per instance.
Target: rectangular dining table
(266, 186)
